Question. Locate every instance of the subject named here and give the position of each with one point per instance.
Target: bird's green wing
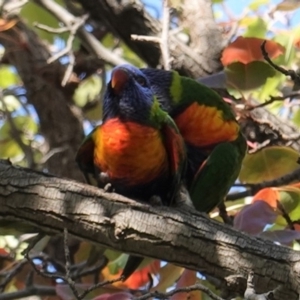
(175, 147)
(85, 158)
(217, 174)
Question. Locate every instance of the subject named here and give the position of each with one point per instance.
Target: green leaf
(248, 76)
(258, 28)
(11, 103)
(87, 90)
(33, 13)
(289, 197)
(10, 149)
(108, 41)
(26, 124)
(270, 87)
(131, 57)
(287, 38)
(296, 117)
(256, 4)
(268, 164)
(94, 114)
(8, 77)
(22, 123)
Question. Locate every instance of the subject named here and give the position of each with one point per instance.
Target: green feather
(217, 174)
(185, 91)
(211, 184)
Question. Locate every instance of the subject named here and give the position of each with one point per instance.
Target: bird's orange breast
(129, 151)
(203, 126)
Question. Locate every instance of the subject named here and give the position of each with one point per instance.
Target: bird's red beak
(119, 77)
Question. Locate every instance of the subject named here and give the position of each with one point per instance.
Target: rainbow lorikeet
(215, 144)
(137, 148)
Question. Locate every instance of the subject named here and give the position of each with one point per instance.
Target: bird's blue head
(128, 95)
(161, 83)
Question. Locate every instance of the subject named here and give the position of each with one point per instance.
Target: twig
(52, 152)
(250, 293)
(252, 189)
(294, 76)
(70, 67)
(89, 41)
(10, 274)
(195, 287)
(98, 285)
(68, 277)
(145, 38)
(95, 269)
(224, 215)
(50, 29)
(286, 216)
(164, 40)
(273, 99)
(10, 8)
(73, 28)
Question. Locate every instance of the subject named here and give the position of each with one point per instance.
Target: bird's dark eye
(141, 81)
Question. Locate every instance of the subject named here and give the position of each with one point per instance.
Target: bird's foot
(155, 200)
(103, 177)
(108, 188)
(183, 199)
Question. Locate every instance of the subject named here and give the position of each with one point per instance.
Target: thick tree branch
(185, 238)
(114, 14)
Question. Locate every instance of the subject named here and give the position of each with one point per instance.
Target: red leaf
(247, 49)
(269, 195)
(187, 278)
(140, 277)
(297, 227)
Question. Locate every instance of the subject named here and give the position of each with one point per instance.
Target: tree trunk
(60, 121)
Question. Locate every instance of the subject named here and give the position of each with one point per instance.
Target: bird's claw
(183, 199)
(155, 200)
(108, 188)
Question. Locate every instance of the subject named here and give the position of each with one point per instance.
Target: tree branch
(52, 204)
(114, 14)
(87, 38)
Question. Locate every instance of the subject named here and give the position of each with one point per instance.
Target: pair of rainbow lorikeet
(161, 130)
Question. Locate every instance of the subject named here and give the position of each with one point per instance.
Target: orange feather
(129, 151)
(202, 126)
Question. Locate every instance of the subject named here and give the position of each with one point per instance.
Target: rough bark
(60, 121)
(124, 18)
(261, 126)
(185, 238)
(206, 37)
